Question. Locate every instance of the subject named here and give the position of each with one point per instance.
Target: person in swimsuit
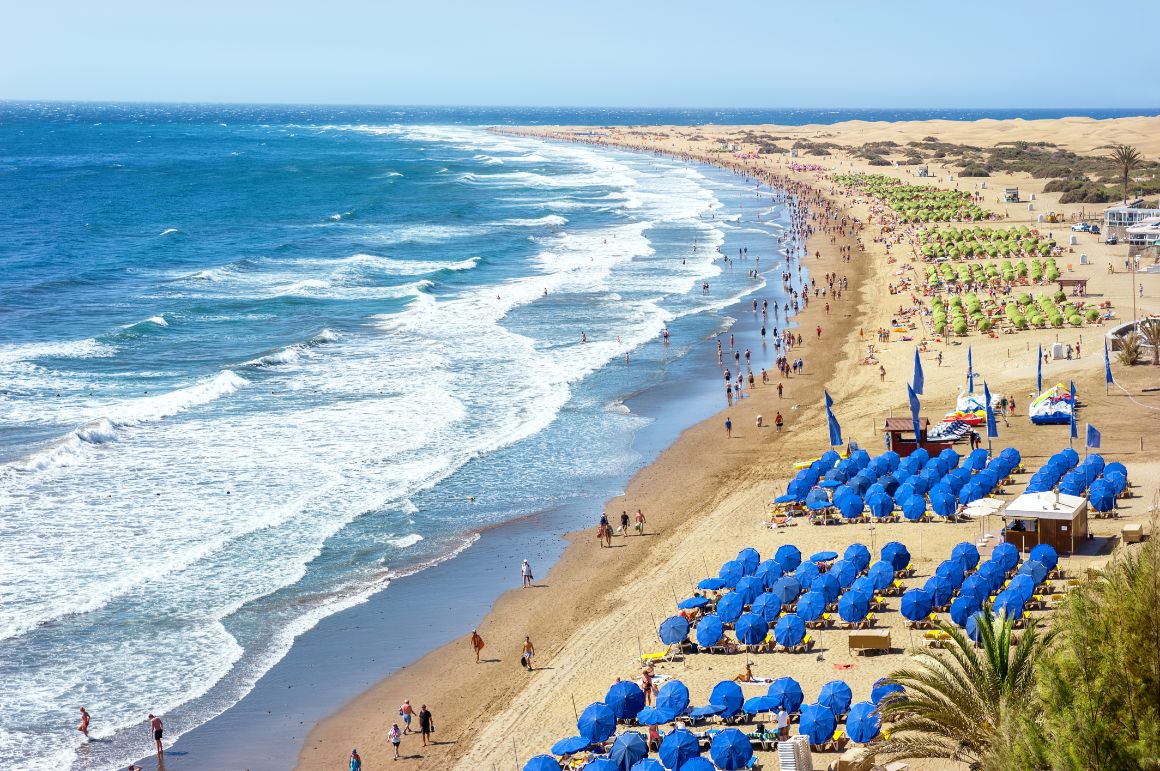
(526, 656)
(476, 643)
(639, 522)
(158, 729)
(84, 726)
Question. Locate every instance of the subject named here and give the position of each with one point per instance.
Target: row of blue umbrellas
(1065, 471)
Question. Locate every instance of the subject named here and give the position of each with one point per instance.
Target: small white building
(1119, 218)
(1145, 232)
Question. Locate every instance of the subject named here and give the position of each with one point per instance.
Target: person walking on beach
(639, 522)
(395, 737)
(779, 389)
(526, 656)
(882, 373)
(158, 729)
(476, 644)
(782, 724)
(624, 524)
(778, 421)
(406, 711)
(84, 725)
(355, 761)
(728, 428)
(426, 724)
(526, 574)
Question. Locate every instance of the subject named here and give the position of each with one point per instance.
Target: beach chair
(669, 654)
(877, 603)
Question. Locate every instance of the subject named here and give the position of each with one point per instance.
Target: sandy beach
(706, 496)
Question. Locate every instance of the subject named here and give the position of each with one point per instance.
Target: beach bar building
(1058, 520)
(900, 435)
(1117, 219)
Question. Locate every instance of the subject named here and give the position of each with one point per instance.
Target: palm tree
(1126, 158)
(960, 704)
(1150, 334)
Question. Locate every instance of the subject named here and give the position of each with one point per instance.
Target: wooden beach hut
(1058, 520)
(900, 435)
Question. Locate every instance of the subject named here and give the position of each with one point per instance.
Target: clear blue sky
(763, 53)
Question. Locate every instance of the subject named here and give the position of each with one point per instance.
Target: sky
(629, 53)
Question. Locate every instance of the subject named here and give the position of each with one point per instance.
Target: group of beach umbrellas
(1064, 470)
(859, 483)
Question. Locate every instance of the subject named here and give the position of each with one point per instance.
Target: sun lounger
(669, 654)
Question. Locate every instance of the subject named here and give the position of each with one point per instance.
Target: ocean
(259, 362)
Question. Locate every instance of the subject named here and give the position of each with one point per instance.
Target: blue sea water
(254, 369)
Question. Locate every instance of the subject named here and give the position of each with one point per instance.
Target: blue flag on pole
(913, 410)
(1107, 366)
(917, 373)
(1093, 436)
(992, 427)
(1039, 372)
(970, 372)
(1074, 429)
(832, 422)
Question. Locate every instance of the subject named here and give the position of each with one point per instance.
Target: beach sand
(705, 497)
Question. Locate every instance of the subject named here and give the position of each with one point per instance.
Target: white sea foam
(169, 231)
(400, 267)
(552, 220)
(405, 541)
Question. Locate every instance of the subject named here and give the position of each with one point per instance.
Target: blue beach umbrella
(972, 627)
(993, 573)
(596, 723)
(730, 606)
(806, 573)
(1022, 586)
(690, 603)
(542, 763)
(674, 630)
(727, 695)
(788, 556)
(818, 499)
(896, 554)
(1009, 604)
(1115, 467)
(647, 764)
(709, 710)
(863, 723)
(731, 572)
(767, 607)
(730, 750)
(811, 606)
(943, 504)
(751, 629)
(850, 505)
(572, 744)
(951, 570)
(673, 697)
(863, 585)
(881, 574)
(940, 590)
(1006, 555)
(653, 716)
(677, 748)
(858, 554)
(880, 504)
(914, 507)
(853, 607)
(963, 608)
(1046, 554)
(787, 589)
(845, 571)
(787, 693)
(749, 559)
(755, 705)
(625, 699)
(836, 696)
(710, 630)
(749, 587)
(769, 571)
(789, 630)
(975, 586)
(698, 764)
(1102, 494)
(967, 554)
(824, 556)
(817, 722)
(882, 689)
(987, 479)
(875, 489)
(711, 584)
(915, 604)
(826, 585)
(1036, 569)
(971, 491)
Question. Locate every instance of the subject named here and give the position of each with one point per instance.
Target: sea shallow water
(256, 371)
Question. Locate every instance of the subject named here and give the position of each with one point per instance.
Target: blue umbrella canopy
(915, 604)
(971, 491)
(824, 556)
(767, 607)
(1115, 467)
(845, 571)
(653, 716)
(789, 630)
(1034, 568)
(749, 587)
(751, 629)
(673, 630)
(647, 764)
(818, 499)
(883, 688)
(788, 556)
(730, 750)
(943, 504)
(727, 695)
(596, 723)
(1102, 494)
(625, 699)
(1009, 604)
(787, 498)
(698, 764)
(811, 606)
(711, 584)
(729, 607)
(864, 585)
(749, 559)
(769, 571)
(863, 723)
(710, 630)
(696, 601)
(542, 763)
(975, 586)
(853, 606)
(951, 570)
(940, 589)
(896, 554)
(1023, 586)
(880, 504)
(993, 573)
(881, 574)
(1069, 456)
(913, 507)
(987, 479)
(858, 554)
(963, 608)
(976, 460)
(836, 696)
(891, 459)
(967, 554)
(972, 627)
(572, 744)
(1006, 555)
(787, 693)
(850, 505)
(709, 710)
(677, 748)
(732, 571)
(806, 573)
(673, 697)
(875, 489)
(787, 589)
(758, 704)
(826, 585)
(817, 722)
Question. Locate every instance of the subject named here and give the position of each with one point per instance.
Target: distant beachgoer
(779, 390)
(882, 373)
(728, 428)
(747, 675)
(624, 524)
(355, 761)
(406, 711)
(782, 724)
(158, 729)
(646, 686)
(528, 654)
(778, 421)
(84, 725)
(526, 574)
(639, 522)
(476, 644)
(395, 737)
(426, 724)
